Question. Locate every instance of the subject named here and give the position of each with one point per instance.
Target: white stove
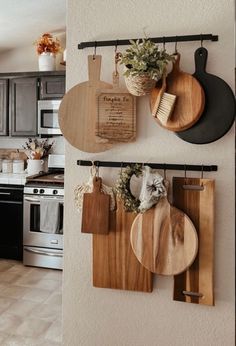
(44, 205)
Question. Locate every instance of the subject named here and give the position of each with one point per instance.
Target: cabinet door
(23, 106)
(3, 107)
(52, 87)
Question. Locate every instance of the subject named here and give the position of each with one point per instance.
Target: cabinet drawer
(13, 193)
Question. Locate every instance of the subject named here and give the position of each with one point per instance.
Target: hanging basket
(140, 85)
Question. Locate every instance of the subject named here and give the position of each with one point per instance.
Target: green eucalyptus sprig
(144, 57)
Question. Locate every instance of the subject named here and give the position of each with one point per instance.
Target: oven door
(48, 117)
(32, 235)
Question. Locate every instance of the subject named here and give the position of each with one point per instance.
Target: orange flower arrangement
(46, 43)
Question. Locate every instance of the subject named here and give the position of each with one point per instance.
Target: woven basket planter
(140, 85)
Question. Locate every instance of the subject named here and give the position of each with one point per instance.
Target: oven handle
(37, 200)
(44, 252)
(31, 199)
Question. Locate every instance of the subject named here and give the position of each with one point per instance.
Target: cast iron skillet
(219, 113)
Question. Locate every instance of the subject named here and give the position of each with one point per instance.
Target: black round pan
(219, 113)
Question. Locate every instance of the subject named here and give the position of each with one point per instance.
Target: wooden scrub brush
(162, 103)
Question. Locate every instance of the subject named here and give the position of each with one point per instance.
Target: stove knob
(35, 191)
(41, 191)
(55, 192)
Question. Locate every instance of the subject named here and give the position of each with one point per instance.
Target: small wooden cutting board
(190, 99)
(95, 212)
(164, 239)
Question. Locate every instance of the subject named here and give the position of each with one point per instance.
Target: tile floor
(30, 305)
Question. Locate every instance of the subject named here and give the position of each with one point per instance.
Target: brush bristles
(165, 107)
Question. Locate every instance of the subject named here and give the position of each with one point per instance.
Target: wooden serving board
(190, 100)
(95, 212)
(78, 111)
(164, 239)
(116, 121)
(114, 263)
(199, 205)
(220, 108)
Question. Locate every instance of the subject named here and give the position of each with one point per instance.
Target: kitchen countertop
(13, 178)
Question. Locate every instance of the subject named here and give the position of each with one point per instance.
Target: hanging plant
(144, 65)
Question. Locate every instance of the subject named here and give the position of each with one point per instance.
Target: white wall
(104, 317)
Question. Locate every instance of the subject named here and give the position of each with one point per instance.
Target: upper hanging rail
(166, 166)
(125, 42)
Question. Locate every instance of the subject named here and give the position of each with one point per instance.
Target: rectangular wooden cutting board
(114, 263)
(199, 206)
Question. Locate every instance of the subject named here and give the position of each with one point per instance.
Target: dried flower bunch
(144, 57)
(36, 149)
(47, 44)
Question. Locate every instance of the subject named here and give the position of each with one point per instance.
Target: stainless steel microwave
(48, 117)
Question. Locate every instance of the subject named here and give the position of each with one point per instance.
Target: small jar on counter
(7, 166)
(18, 166)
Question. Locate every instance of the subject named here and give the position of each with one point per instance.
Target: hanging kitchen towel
(49, 216)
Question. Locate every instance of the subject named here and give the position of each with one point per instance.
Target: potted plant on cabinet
(144, 66)
(47, 47)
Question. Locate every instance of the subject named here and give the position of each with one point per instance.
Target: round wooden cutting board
(78, 111)
(190, 100)
(164, 239)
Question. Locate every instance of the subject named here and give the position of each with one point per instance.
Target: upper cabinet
(19, 95)
(3, 107)
(52, 87)
(23, 106)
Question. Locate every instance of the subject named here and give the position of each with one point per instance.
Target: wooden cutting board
(199, 205)
(116, 121)
(190, 100)
(164, 239)
(114, 263)
(95, 212)
(78, 111)
(220, 108)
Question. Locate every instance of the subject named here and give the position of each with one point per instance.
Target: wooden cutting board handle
(94, 67)
(175, 66)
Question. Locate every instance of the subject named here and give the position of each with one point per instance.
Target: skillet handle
(200, 59)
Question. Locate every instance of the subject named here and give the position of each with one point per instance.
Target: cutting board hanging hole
(193, 187)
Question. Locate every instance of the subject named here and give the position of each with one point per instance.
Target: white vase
(46, 62)
(34, 166)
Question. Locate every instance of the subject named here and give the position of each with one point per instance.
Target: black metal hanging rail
(163, 39)
(164, 166)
